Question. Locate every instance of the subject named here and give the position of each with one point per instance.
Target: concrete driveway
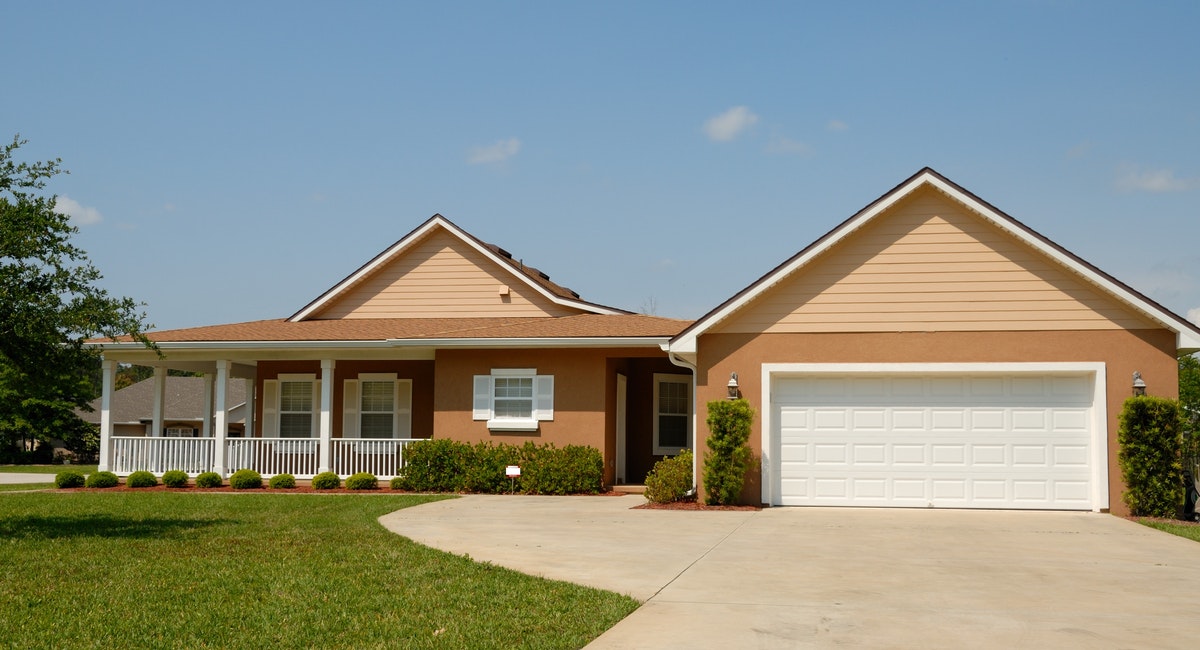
(14, 478)
(845, 577)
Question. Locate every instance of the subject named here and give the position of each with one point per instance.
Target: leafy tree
(49, 306)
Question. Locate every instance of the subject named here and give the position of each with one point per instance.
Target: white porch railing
(158, 455)
(382, 457)
(271, 456)
(300, 457)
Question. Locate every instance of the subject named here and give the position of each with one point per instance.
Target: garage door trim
(1099, 412)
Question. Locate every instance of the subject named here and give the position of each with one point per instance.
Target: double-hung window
(377, 405)
(513, 399)
(290, 405)
(672, 413)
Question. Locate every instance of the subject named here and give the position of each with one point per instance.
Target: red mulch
(691, 505)
(299, 489)
(1161, 520)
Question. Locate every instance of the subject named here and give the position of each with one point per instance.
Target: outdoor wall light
(732, 385)
(1139, 386)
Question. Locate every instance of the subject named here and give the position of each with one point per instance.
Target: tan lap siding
(442, 277)
(932, 265)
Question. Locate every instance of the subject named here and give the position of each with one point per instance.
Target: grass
(45, 469)
(1189, 530)
(177, 570)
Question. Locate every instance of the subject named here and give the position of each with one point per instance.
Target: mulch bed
(299, 489)
(691, 505)
(1163, 520)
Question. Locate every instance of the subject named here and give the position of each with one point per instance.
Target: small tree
(728, 457)
(1150, 447)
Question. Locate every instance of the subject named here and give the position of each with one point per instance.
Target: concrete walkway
(824, 577)
(15, 479)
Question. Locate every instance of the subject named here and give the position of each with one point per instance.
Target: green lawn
(1182, 529)
(178, 570)
(45, 469)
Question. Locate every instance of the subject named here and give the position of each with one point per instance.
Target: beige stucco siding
(441, 276)
(931, 265)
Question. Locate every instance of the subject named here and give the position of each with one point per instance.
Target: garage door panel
(952, 441)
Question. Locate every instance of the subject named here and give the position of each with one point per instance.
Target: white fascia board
(580, 342)
(439, 221)
(244, 345)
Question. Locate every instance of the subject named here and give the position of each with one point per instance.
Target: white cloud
(730, 124)
(1194, 315)
(837, 125)
(780, 144)
(81, 215)
(499, 152)
(1133, 179)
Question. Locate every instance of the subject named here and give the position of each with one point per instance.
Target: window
(180, 432)
(296, 409)
(672, 413)
(377, 405)
(513, 399)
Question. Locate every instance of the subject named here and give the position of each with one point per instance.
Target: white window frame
(272, 405)
(659, 379)
(484, 400)
(352, 410)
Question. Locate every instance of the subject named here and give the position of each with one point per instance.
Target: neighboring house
(184, 411)
(929, 351)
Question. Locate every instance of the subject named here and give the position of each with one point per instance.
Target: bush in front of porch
(442, 465)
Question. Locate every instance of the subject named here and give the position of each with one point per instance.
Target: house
(930, 351)
(440, 334)
(186, 409)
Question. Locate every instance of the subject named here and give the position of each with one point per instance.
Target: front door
(622, 391)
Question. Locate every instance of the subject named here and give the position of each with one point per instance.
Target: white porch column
(326, 423)
(221, 418)
(250, 385)
(206, 429)
(160, 398)
(108, 374)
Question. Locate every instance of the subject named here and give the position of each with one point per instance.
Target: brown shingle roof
(380, 329)
(184, 400)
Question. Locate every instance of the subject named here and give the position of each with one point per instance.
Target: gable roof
(184, 401)
(532, 277)
(1187, 334)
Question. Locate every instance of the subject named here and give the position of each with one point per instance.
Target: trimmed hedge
(209, 480)
(362, 481)
(175, 479)
(326, 481)
(1151, 442)
(246, 479)
(141, 479)
(282, 482)
(101, 480)
(68, 479)
(442, 465)
(670, 479)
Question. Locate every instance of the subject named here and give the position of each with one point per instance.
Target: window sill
(512, 425)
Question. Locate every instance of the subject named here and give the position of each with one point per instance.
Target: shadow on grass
(52, 527)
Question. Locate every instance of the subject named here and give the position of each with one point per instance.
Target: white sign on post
(512, 471)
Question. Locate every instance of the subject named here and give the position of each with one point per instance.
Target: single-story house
(929, 351)
(186, 412)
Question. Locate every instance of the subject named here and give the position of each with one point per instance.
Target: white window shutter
(482, 404)
(316, 410)
(402, 427)
(543, 395)
(270, 408)
(350, 408)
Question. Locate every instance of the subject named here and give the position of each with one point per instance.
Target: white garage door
(956, 440)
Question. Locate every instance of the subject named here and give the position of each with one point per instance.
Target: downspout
(683, 363)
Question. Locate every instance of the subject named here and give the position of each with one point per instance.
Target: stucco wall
(1152, 352)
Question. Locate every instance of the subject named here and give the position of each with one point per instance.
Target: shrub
(574, 469)
(101, 480)
(175, 479)
(282, 482)
(209, 480)
(141, 479)
(485, 465)
(246, 479)
(68, 479)
(435, 465)
(728, 456)
(362, 481)
(397, 483)
(670, 479)
(1150, 442)
(326, 481)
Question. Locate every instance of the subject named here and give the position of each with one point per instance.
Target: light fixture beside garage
(733, 385)
(1139, 386)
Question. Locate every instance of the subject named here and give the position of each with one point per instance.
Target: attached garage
(933, 352)
(936, 435)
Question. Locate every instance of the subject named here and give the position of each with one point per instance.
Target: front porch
(301, 457)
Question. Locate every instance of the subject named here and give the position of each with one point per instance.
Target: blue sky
(231, 161)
